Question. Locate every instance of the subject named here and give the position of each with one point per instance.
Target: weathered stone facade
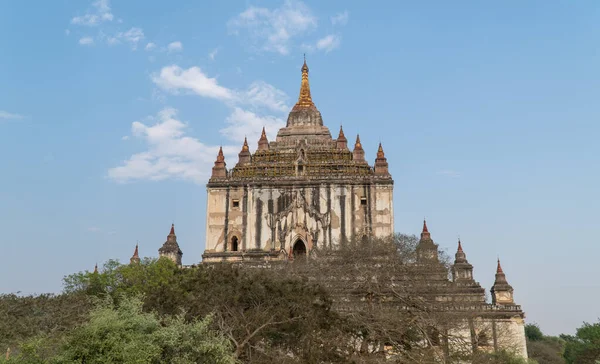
(301, 191)
(306, 190)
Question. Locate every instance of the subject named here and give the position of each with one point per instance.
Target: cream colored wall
(303, 220)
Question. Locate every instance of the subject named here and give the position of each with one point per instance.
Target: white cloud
(86, 41)
(94, 229)
(213, 54)
(126, 137)
(133, 36)
(9, 116)
(329, 43)
(273, 30)
(174, 78)
(340, 18)
(150, 46)
(170, 154)
(67, 32)
(449, 173)
(242, 123)
(99, 13)
(259, 95)
(175, 47)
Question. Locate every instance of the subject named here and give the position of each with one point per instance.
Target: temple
(306, 190)
(303, 190)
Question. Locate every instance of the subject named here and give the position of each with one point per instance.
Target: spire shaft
(304, 99)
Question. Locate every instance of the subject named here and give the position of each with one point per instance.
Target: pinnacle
(135, 253)
(304, 99)
(263, 134)
(499, 269)
(341, 135)
(172, 229)
(460, 249)
(358, 145)
(424, 225)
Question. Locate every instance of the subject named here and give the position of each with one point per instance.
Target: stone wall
(274, 218)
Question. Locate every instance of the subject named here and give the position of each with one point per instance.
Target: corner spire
(358, 154)
(502, 292)
(136, 257)
(341, 141)
(357, 145)
(172, 232)
(304, 99)
(381, 164)
(427, 250)
(461, 270)
(263, 142)
(219, 170)
(96, 268)
(244, 156)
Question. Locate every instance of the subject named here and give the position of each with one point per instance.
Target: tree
(124, 334)
(544, 349)
(24, 317)
(265, 314)
(533, 332)
(584, 347)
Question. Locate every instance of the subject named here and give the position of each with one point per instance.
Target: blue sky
(111, 113)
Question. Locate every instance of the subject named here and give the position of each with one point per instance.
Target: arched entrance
(299, 250)
(234, 244)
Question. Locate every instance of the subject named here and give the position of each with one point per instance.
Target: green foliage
(501, 357)
(118, 279)
(22, 318)
(125, 334)
(584, 347)
(533, 332)
(266, 314)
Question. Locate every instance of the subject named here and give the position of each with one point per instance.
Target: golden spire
(304, 100)
(245, 146)
(358, 144)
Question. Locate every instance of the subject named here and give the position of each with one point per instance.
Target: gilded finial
(245, 146)
(358, 145)
(304, 99)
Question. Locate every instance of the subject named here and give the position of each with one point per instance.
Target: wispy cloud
(340, 18)
(243, 123)
(150, 46)
(449, 173)
(258, 95)
(274, 29)
(175, 47)
(329, 43)
(86, 41)
(10, 116)
(213, 54)
(133, 36)
(172, 153)
(174, 78)
(94, 229)
(98, 13)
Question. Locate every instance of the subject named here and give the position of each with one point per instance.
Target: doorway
(299, 250)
